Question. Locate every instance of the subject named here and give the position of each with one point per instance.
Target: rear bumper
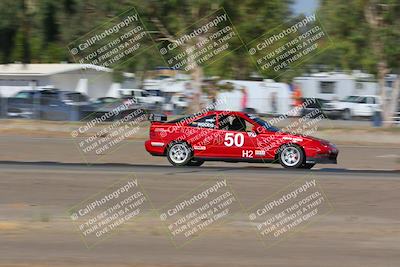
(155, 148)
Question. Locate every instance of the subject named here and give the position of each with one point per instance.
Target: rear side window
(205, 122)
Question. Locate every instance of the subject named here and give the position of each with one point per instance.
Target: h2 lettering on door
(247, 153)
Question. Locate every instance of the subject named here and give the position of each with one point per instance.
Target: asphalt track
(170, 170)
(40, 179)
(21, 149)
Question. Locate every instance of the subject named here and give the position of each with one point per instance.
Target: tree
(250, 17)
(8, 28)
(383, 18)
(366, 34)
(43, 29)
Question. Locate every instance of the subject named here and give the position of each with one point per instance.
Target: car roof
(363, 95)
(195, 116)
(69, 92)
(26, 91)
(229, 111)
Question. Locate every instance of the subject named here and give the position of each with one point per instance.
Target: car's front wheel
(179, 154)
(291, 156)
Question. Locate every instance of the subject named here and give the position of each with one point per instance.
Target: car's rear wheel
(307, 165)
(291, 156)
(179, 154)
(346, 115)
(195, 163)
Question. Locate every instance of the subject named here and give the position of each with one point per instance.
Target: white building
(91, 80)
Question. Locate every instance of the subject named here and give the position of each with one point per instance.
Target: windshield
(23, 95)
(76, 97)
(105, 100)
(154, 92)
(351, 98)
(263, 123)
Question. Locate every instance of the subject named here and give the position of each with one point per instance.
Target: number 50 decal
(234, 139)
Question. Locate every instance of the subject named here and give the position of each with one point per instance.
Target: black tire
(291, 156)
(179, 154)
(42, 115)
(195, 163)
(346, 115)
(307, 165)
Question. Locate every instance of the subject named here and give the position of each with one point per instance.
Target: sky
(305, 6)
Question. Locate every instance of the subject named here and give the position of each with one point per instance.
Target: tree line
(365, 33)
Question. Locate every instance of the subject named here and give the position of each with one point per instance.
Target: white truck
(353, 106)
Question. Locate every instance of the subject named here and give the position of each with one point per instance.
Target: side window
(362, 100)
(371, 100)
(22, 95)
(204, 122)
(234, 123)
(48, 101)
(327, 87)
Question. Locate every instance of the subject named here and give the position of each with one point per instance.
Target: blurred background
(354, 78)
(48, 94)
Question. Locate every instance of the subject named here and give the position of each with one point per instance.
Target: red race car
(233, 137)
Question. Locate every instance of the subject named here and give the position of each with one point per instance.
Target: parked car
(177, 103)
(155, 97)
(234, 137)
(117, 107)
(353, 106)
(3, 112)
(314, 107)
(50, 104)
(140, 95)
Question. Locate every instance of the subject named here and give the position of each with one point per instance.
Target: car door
(237, 139)
(52, 109)
(362, 107)
(201, 135)
(21, 104)
(359, 106)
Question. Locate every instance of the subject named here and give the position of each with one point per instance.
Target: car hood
(312, 138)
(298, 137)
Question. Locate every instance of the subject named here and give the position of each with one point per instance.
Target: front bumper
(329, 158)
(21, 114)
